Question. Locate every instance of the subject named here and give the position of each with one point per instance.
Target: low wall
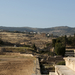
(37, 67)
(18, 54)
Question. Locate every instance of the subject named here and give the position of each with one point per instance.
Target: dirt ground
(16, 66)
(27, 39)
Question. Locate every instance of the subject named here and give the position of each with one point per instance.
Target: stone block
(63, 70)
(70, 62)
(52, 73)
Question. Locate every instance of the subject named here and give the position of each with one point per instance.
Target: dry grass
(28, 39)
(16, 65)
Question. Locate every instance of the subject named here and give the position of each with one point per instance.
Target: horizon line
(35, 27)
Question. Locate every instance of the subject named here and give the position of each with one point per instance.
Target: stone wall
(18, 54)
(37, 67)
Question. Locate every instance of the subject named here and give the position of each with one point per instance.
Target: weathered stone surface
(52, 73)
(68, 69)
(70, 62)
(63, 70)
(37, 71)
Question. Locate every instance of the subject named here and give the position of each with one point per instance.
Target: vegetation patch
(61, 63)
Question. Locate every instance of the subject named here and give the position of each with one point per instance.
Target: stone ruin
(68, 69)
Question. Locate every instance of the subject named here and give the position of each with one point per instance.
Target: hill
(62, 30)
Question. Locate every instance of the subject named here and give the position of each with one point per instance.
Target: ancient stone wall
(18, 54)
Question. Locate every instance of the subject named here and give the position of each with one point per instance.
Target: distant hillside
(62, 30)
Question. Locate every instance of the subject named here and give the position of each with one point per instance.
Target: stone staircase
(68, 69)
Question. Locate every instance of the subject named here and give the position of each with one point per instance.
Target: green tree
(53, 42)
(65, 40)
(59, 49)
(73, 41)
(1, 42)
(58, 40)
(69, 40)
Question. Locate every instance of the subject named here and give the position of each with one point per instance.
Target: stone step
(63, 70)
(70, 62)
(52, 73)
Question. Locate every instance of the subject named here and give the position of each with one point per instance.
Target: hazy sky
(37, 13)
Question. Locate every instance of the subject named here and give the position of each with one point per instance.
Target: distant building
(48, 34)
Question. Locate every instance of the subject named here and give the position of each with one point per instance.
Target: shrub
(61, 63)
(47, 44)
(34, 47)
(26, 46)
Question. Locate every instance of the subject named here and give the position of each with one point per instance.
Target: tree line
(60, 44)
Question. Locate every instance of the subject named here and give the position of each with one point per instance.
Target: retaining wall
(18, 54)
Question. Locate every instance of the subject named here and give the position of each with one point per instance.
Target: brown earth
(27, 39)
(16, 66)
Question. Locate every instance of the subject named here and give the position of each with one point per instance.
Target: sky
(37, 13)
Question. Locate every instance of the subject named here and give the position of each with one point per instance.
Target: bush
(51, 53)
(34, 47)
(47, 44)
(61, 63)
(26, 46)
